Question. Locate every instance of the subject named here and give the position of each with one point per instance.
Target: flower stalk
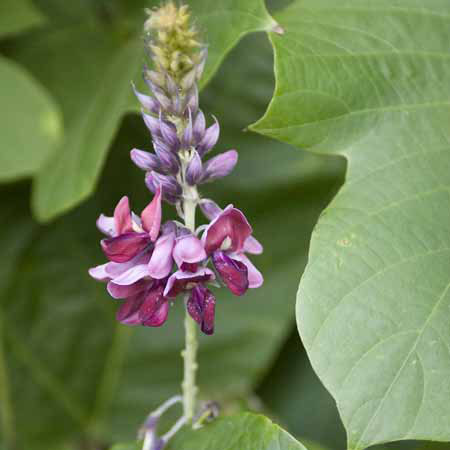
(151, 262)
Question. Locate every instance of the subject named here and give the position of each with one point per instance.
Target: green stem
(190, 352)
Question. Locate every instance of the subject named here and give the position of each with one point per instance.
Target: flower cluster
(151, 263)
(142, 254)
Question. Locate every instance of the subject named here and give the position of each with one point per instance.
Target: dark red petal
(128, 312)
(201, 307)
(189, 267)
(125, 247)
(155, 308)
(233, 273)
(230, 223)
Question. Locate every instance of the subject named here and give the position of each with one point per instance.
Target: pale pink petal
(106, 225)
(100, 273)
(252, 245)
(116, 269)
(188, 249)
(161, 261)
(132, 275)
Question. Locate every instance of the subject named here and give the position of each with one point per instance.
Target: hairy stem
(190, 352)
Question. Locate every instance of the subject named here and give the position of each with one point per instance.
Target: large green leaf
(369, 81)
(243, 431)
(90, 70)
(17, 16)
(63, 350)
(30, 123)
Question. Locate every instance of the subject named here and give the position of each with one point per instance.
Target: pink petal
(230, 223)
(161, 261)
(188, 249)
(100, 273)
(116, 269)
(106, 225)
(132, 275)
(151, 216)
(122, 217)
(255, 278)
(252, 245)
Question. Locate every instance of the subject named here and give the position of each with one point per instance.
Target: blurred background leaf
(17, 16)
(27, 139)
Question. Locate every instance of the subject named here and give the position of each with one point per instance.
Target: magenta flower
(140, 259)
(226, 239)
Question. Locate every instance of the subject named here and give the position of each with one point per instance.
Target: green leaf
(226, 23)
(369, 81)
(90, 72)
(17, 16)
(243, 431)
(27, 139)
(71, 175)
(98, 380)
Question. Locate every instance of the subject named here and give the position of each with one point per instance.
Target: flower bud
(147, 102)
(210, 208)
(219, 166)
(160, 95)
(168, 160)
(194, 170)
(169, 134)
(168, 183)
(201, 64)
(209, 139)
(156, 78)
(191, 100)
(153, 125)
(189, 79)
(172, 87)
(199, 126)
(186, 140)
(145, 160)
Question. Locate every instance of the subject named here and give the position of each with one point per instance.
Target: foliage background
(70, 377)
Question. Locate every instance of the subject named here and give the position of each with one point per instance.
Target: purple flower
(226, 239)
(201, 307)
(219, 166)
(188, 252)
(194, 171)
(140, 262)
(209, 138)
(182, 281)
